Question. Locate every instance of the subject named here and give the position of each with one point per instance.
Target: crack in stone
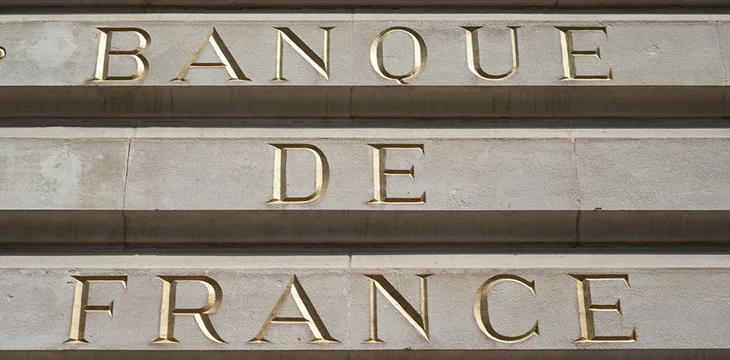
(124, 195)
(577, 191)
(349, 298)
(724, 64)
(719, 46)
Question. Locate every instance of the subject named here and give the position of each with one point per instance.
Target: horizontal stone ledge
(490, 173)
(142, 106)
(222, 4)
(420, 302)
(109, 230)
(369, 129)
(364, 49)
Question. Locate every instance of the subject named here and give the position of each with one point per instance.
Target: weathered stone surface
(208, 186)
(186, 174)
(466, 174)
(661, 66)
(189, 167)
(640, 50)
(648, 173)
(39, 294)
(206, 169)
(71, 174)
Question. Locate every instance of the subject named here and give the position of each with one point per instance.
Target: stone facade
(364, 179)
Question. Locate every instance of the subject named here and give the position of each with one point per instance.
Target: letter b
(106, 52)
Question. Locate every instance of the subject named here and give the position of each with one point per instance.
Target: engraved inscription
(381, 173)
(473, 58)
(412, 313)
(310, 317)
(320, 60)
(106, 52)
(322, 174)
(586, 308)
(81, 304)
(420, 54)
(419, 321)
(168, 309)
(481, 310)
(570, 53)
(227, 61)
(321, 64)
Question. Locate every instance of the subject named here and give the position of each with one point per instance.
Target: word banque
(367, 50)
(321, 62)
(290, 302)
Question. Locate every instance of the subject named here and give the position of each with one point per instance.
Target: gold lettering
(169, 310)
(569, 54)
(106, 52)
(310, 317)
(224, 55)
(481, 310)
(81, 305)
(380, 174)
(420, 54)
(322, 174)
(321, 64)
(419, 321)
(587, 308)
(473, 57)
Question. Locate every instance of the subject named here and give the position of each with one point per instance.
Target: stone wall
(364, 179)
